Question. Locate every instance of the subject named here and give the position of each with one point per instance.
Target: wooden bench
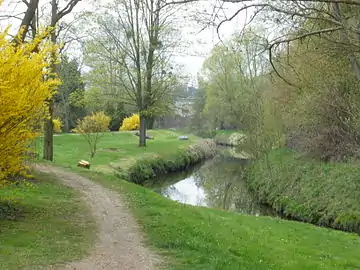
(84, 164)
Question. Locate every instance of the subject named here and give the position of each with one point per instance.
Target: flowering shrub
(23, 95)
(93, 127)
(57, 124)
(131, 123)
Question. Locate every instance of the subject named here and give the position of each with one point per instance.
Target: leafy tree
(92, 128)
(72, 84)
(229, 80)
(29, 22)
(132, 45)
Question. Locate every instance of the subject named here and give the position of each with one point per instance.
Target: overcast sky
(200, 42)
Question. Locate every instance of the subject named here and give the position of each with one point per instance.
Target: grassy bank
(150, 167)
(200, 238)
(45, 223)
(323, 194)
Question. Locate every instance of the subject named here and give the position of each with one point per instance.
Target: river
(217, 183)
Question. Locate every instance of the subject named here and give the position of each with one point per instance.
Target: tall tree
(57, 13)
(29, 22)
(72, 85)
(228, 78)
(136, 36)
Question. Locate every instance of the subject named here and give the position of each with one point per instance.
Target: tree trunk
(66, 127)
(29, 15)
(48, 134)
(142, 131)
(48, 127)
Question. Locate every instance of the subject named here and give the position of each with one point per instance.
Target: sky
(199, 43)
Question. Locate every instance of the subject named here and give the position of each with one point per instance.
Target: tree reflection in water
(218, 183)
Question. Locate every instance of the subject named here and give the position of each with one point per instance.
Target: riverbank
(151, 167)
(201, 238)
(306, 190)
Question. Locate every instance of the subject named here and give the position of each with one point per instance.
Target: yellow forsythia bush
(23, 95)
(131, 123)
(57, 125)
(96, 122)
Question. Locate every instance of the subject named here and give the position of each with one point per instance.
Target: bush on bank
(229, 139)
(148, 168)
(306, 190)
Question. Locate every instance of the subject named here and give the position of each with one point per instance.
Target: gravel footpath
(120, 243)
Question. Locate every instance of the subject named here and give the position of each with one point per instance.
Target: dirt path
(120, 244)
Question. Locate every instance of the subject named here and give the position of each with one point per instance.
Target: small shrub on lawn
(10, 209)
(57, 125)
(130, 123)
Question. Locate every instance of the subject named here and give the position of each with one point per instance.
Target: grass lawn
(115, 149)
(54, 226)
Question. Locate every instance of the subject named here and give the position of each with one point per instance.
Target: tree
(57, 14)
(23, 95)
(72, 84)
(92, 128)
(137, 41)
(29, 22)
(228, 79)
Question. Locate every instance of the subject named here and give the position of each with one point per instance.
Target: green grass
(55, 226)
(324, 194)
(115, 149)
(200, 238)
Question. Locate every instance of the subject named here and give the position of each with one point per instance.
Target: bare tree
(337, 21)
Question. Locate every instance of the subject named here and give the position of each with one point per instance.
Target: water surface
(218, 183)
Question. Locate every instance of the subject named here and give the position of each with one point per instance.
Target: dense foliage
(131, 123)
(72, 89)
(23, 95)
(57, 124)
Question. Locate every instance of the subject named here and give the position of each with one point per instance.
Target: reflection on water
(186, 191)
(218, 183)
